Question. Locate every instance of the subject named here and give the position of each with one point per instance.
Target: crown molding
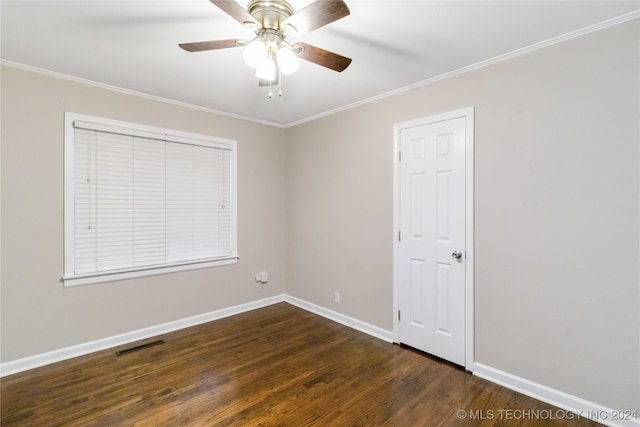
(485, 63)
(133, 92)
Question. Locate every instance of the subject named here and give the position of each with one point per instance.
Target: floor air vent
(139, 347)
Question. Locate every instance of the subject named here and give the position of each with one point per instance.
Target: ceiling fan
(272, 21)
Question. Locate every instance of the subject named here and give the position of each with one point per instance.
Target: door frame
(468, 114)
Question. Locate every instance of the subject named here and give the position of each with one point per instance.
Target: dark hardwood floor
(276, 366)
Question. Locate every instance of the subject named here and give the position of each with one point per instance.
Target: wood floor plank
(276, 366)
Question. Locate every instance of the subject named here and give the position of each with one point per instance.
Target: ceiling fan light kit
(269, 53)
(254, 54)
(288, 61)
(266, 69)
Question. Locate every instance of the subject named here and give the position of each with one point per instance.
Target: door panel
(431, 291)
(443, 284)
(417, 312)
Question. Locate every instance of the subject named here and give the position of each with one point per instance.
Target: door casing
(468, 114)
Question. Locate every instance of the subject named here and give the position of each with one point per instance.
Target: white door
(431, 248)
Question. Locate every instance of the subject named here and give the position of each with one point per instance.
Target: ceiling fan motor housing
(270, 13)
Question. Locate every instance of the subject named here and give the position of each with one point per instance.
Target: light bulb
(266, 70)
(287, 61)
(255, 53)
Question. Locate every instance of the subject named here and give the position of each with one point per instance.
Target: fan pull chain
(270, 94)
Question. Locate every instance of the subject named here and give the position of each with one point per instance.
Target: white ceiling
(394, 44)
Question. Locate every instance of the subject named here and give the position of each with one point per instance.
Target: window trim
(71, 279)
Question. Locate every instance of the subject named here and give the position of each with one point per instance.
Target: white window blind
(144, 199)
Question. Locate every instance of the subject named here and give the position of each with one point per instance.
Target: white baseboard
(31, 362)
(38, 360)
(570, 403)
(356, 324)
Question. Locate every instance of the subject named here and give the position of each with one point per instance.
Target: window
(141, 201)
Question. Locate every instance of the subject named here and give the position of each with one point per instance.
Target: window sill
(93, 279)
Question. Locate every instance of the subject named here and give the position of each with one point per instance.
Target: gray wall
(557, 198)
(38, 314)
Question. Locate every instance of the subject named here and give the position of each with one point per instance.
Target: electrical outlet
(264, 277)
(336, 296)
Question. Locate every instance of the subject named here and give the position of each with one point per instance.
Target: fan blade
(237, 12)
(212, 45)
(316, 15)
(323, 57)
